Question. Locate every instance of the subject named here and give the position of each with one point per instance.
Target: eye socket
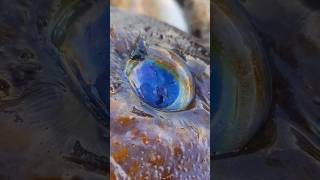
(160, 78)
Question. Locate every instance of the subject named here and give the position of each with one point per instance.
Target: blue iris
(157, 85)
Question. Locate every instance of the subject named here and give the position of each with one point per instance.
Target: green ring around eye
(161, 79)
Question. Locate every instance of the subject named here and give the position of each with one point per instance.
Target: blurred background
(190, 16)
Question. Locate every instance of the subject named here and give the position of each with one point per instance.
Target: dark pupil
(158, 87)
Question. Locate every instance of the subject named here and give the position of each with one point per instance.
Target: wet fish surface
(150, 143)
(287, 145)
(54, 108)
(48, 131)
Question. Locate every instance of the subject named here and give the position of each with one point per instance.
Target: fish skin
(241, 80)
(169, 145)
(46, 130)
(287, 147)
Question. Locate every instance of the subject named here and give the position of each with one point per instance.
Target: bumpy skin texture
(46, 131)
(196, 13)
(50, 127)
(150, 143)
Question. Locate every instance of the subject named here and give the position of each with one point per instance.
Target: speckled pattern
(146, 142)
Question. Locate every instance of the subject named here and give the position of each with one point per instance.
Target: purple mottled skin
(147, 143)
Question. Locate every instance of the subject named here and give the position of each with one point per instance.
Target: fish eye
(159, 77)
(83, 52)
(241, 83)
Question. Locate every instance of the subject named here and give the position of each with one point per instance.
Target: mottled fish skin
(146, 143)
(46, 131)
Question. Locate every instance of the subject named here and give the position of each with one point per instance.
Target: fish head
(153, 142)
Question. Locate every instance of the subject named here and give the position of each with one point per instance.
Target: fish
(241, 79)
(54, 106)
(241, 82)
(286, 146)
(52, 127)
(146, 142)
